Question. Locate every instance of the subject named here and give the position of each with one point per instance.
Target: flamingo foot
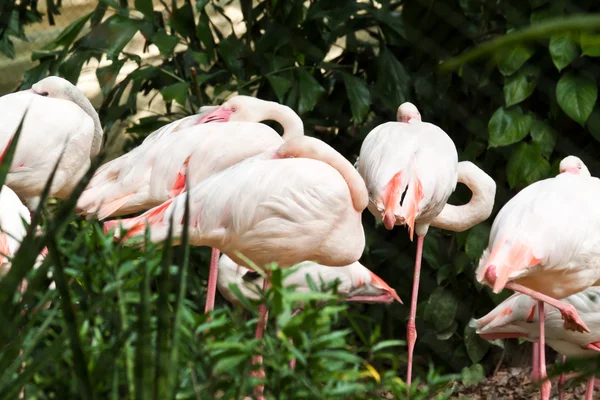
(573, 321)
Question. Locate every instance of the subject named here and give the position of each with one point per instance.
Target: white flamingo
(60, 121)
(418, 160)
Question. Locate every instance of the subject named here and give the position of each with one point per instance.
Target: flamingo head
(55, 87)
(573, 165)
(237, 108)
(407, 112)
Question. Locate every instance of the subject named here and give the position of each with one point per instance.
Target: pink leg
(561, 382)
(260, 328)
(212, 281)
(569, 314)
(293, 361)
(589, 392)
(411, 330)
(546, 385)
(535, 371)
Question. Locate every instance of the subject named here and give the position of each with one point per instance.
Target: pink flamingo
(180, 155)
(300, 201)
(356, 282)
(544, 243)
(411, 168)
(60, 121)
(515, 316)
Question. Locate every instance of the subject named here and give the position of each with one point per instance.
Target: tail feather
(137, 225)
(410, 206)
(107, 209)
(507, 258)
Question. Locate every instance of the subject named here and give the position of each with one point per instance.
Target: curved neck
(84, 103)
(309, 147)
(478, 209)
(290, 121)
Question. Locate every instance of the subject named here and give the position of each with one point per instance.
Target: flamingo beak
(573, 170)
(220, 114)
(381, 284)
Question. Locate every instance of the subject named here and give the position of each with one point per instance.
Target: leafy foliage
(344, 66)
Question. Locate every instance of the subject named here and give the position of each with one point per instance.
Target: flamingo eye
(234, 108)
(45, 94)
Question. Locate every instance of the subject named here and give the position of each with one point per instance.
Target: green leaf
(165, 43)
(508, 126)
(593, 124)
(475, 345)
(146, 8)
(280, 86)
(69, 34)
(387, 343)
(542, 133)
(107, 75)
(359, 97)
(310, 91)
(177, 91)
(590, 44)
(232, 49)
(111, 36)
(527, 165)
(519, 86)
(563, 49)
(510, 60)
(477, 240)
(576, 95)
(441, 309)
(393, 82)
(472, 375)
(229, 363)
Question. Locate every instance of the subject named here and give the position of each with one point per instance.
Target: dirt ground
(515, 384)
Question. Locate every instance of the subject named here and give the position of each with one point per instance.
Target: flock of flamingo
(254, 195)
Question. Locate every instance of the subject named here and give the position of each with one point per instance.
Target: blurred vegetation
(344, 66)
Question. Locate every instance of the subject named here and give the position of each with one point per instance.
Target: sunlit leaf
(590, 44)
(510, 60)
(177, 91)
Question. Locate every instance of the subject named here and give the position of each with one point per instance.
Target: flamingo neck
(478, 209)
(309, 147)
(84, 103)
(290, 121)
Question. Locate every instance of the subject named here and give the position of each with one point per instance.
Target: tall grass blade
(79, 362)
(10, 151)
(163, 367)
(143, 349)
(182, 279)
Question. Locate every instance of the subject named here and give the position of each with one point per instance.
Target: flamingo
(515, 317)
(181, 155)
(544, 243)
(60, 121)
(420, 159)
(356, 282)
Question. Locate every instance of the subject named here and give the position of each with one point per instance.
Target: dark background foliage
(515, 112)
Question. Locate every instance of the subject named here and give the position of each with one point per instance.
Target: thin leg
(572, 319)
(546, 385)
(561, 382)
(293, 360)
(212, 281)
(411, 330)
(589, 392)
(535, 371)
(260, 328)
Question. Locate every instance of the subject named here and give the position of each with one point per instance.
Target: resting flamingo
(420, 159)
(176, 157)
(272, 208)
(60, 121)
(515, 318)
(356, 282)
(544, 243)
